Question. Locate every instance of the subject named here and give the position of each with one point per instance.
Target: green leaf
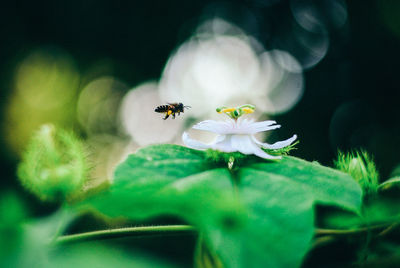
(257, 215)
(280, 197)
(325, 185)
(149, 183)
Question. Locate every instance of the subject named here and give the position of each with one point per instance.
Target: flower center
(237, 112)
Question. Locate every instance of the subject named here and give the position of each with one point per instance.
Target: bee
(171, 109)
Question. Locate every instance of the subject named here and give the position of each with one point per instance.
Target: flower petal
(219, 127)
(245, 145)
(246, 121)
(276, 145)
(260, 126)
(223, 143)
(194, 144)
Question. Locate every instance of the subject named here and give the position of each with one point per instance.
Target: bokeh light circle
(214, 69)
(98, 105)
(141, 122)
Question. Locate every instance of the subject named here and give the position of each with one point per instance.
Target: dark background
(350, 99)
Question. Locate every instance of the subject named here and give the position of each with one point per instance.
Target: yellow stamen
(247, 110)
(227, 110)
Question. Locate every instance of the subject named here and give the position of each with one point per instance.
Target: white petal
(219, 127)
(223, 143)
(191, 143)
(261, 126)
(276, 145)
(243, 144)
(244, 121)
(251, 122)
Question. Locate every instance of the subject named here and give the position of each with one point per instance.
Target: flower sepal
(230, 160)
(281, 151)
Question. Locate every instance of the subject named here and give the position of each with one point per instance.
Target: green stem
(235, 178)
(127, 231)
(325, 236)
(321, 231)
(389, 229)
(323, 240)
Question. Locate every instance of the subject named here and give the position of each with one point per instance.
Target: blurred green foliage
(54, 165)
(28, 242)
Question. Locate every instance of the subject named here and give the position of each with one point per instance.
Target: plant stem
(127, 231)
(325, 236)
(389, 229)
(321, 231)
(323, 240)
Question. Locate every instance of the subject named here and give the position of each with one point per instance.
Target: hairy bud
(54, 165)
(362, 168)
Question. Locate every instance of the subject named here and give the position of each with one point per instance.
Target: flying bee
(171, 109)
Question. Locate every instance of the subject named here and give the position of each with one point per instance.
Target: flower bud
(54, 165)
(362, 168)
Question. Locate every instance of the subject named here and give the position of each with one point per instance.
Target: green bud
(54, 165)
(362, 168)
(219, 109)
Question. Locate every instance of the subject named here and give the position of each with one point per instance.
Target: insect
(171, 109)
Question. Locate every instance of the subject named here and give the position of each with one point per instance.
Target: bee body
(171, 109)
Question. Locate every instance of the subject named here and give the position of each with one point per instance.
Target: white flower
(237, 136)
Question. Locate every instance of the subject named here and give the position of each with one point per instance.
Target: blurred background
(326, 70)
